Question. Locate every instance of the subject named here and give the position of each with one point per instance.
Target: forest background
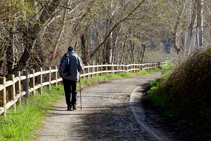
(36, 33)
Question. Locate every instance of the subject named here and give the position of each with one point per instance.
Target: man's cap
(70, 48)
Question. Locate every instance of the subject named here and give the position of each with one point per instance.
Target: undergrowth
(185, 93)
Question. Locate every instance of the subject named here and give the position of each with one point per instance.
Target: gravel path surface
(110, 112)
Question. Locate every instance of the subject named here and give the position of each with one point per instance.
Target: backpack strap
(67, 58)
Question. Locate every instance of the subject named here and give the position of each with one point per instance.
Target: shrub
(188, 90)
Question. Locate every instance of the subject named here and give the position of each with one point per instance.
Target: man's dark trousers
(70, 88)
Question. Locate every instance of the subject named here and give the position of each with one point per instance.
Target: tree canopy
(35, 33)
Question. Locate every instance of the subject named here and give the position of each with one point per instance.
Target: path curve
(110, 112)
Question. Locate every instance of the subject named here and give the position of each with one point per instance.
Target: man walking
(69, 68)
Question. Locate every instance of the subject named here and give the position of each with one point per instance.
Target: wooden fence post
(18, 86)
(97, 70)
(112, 68)
(55, 76)
(83, 73)
(101, 70)
(88, 71)
(11, 90)
(3, 95)
(127, 68)
(120, 68)
(106, 68)
(40, 81)
(117, 68)
(92, 70)
(146, 65)
(26, 85)
(32, 82)
(49, 78)
(123, 67)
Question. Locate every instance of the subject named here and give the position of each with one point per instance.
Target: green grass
(23, 124)
(159, 100)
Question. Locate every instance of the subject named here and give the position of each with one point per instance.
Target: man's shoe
(68, 108)
(74, 108)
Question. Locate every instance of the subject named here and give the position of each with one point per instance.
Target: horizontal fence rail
(18, 86)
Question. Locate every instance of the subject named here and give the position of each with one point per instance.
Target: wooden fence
(19, 85)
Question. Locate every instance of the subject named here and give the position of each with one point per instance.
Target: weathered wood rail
(21, 84)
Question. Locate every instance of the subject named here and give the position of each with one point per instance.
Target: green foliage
(136, 40)
(19, 9)
(129, 74)
(167, 70)
(157, 99)
(22, 125)
(96, 9)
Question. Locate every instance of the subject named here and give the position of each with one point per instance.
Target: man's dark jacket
(76, 65)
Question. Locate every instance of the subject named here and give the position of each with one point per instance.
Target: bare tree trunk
(142, 53)
(60, 34)
(176, 47)
(108, 51)
(193, 17)
(108, 44)
(200, 21)
(98, 56)
(10, 59)
(84, 50)
(115, 52)
(123, 51)
(3, 51)
(132, 52)
(10, 52)
(114, 27)
(30, 35)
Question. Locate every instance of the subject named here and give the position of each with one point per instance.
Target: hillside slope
(186, 93)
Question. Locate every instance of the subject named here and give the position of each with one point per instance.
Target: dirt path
(111, 111)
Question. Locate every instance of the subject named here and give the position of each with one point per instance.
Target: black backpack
(65, 66)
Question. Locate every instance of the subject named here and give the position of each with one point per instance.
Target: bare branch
(116, 25)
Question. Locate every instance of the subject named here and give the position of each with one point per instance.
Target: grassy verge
(156, 85)
(185, 93)
(23, 124)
